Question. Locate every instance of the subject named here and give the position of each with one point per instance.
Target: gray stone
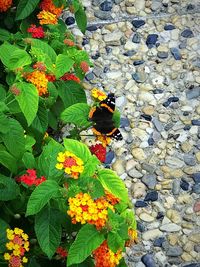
(133, 173)
(174, 251)
(148, 167)
(149, 180)
(174, 162)
(113, 38)
(193, 93)
(158, 125)
(104, 15)
(176, 187)
(189, 160)
(139, 77)
(170, 227)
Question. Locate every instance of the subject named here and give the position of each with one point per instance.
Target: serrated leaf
(41, 195)
(25, 8)
(29, 142)
(6, 51)
(4, 123)
(81, 19)
(71, 93)
(4, 35)
(115, 242)
(113, 184)
(77, 114)
(28, 100)
(92, 186)
(90, 167)
(29, 160)
(7, 160)
(8, 188)
(63, 65)
(130, 219)
(92, 239)
(78, 148)
(40, 122)
(14, 139)
(48, 160)
(48, 230)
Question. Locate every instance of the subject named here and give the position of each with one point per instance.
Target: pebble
(169, 27)
(109, 157)
(162, 55)
(187, 33)
(176, 53)
(146, 217)
(184, 185)
(151, 196)
(195, 122)
(196, 206)
(106, 6)
(140, 204)
(170, 227)
(148, 260)
(138, 153)
(138, 23)
(151, 40)
(174, 251)
(196, 177)
(149, 180)
(104, 15)
(151, 234)
(189, 160)
(193, 93)
(70, 20)
(139, 77)
(158, 242)
(136, 38)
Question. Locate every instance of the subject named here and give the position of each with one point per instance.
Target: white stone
(151, 234)
(170, 227)
(114, 75)
(146, 217)
(139, 4)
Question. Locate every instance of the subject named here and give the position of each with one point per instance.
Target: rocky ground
(148, 54)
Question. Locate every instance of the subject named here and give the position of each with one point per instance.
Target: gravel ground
(148, 54)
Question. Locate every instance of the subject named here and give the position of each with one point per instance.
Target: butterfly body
(102, 116)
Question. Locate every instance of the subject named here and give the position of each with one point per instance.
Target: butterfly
(102, 116)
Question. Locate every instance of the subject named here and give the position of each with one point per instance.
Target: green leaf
(25, 8)
(41, 195)
(63, 65)
(33, 263)
(77, 114)
(29, 142)
(7, 160)
(92, 239)
(71, 93)
(113, 184)
(2, 92)
(92, 186)
(8, 188)
(6, 51)
(4, 124)
(78, 148)
(116, 118)
(90, 167)
(129, 217)
(115, 242)
(48, 159)
(28, 100)
(29, 160)
(14, 139)
(48, 230)
(45, 48)
(40, 123)
(3, 238)
(4, 35)
(18, 59)
(81, 19)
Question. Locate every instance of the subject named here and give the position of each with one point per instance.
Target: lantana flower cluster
(99, 151)
(98, 94)
(104, 257)
(72, 165)
(61, 252)
(70, 77)
(49, 13)
(36, 32)
(39, 79)
(30, 178)
(5, 5)
(83, 209)
(17, 245)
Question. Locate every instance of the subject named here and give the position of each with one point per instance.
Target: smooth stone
(162, 55)
(140, 227)
(158, 242)
(136, 38)
(89, 76)
(151, 40)
(158, 125)
(139, 77)
(151, 141)
(174, 251)
(193, 93)
(138, 153)
(176, 187)
(196, 177)
(109, 157)
(92, 28)
(197, 248)
(149, 180)
(146, 117)
(124, 122)
(69, 21)
(196, 206)
(187, 33)
(146, 217)
(197, 264)
(133, 173)
(169, 27)
(189, 159)
(196, 188)
(176, 53)
(148, 167)
(151, 234)
(113, 38)
(174, 162)
(103, 15)
(184, 185)
(140, 204)
(195, 122)
(138, 62)
(138, 23)
(148, 260)
(170, 227)
(139, 4)
(173, 99)
(138, 190)
(106, 6)
(151, 196)
(118, 167)
(130, 53)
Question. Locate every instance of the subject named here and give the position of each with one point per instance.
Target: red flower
(51, 77)
(36, 32)
(61, 252)
(39, 66)
(30, 178)
(99, 151)
(69, 42)
(70, 77)
(84, 66)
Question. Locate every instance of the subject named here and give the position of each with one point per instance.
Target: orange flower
(38, 78)
(104, 257)
(83, 209)
(48, 5)
(5, 5)
(69, 42)
(47, 17)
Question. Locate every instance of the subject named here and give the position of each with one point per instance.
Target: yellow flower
(59, 166)
(47, 17)
(98, 94)
(24, 260)
(7, 256)
(18, 231)
(38, 78)
(10, 245)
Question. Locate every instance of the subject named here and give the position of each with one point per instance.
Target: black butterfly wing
(109, 101)
(116, 134)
